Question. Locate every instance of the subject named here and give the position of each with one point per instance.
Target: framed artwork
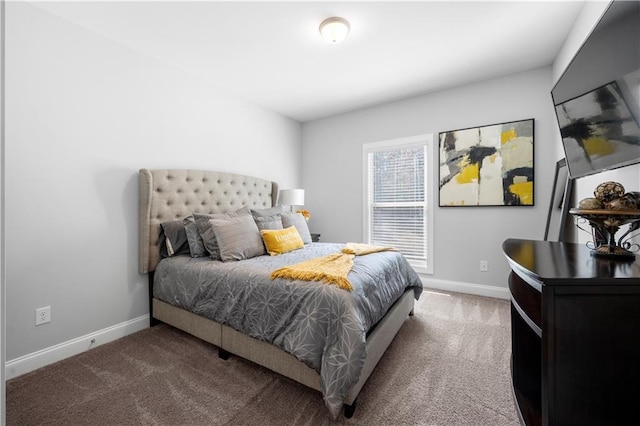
(487, 166)
(560, 203)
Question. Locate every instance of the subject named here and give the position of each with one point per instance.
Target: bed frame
(166, 195)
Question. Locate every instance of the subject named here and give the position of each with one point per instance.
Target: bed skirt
(274, 358)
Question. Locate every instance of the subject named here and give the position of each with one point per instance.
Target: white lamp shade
(291, 197)
(334, 30)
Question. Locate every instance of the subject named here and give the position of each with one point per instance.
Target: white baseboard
(35, 360)
(469, 288)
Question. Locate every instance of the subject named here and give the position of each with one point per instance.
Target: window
(398, 197)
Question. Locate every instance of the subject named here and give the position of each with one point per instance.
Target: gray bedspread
(320, 324)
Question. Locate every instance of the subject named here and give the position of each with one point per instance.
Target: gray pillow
(208, 236)
(297, 220)
(173, 238)
(238, 238)
(268, 222)
(196, 245)
(271, 211)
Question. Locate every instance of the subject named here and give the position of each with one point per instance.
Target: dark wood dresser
(575, 333)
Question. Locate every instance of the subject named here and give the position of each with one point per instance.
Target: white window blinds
(396, 199)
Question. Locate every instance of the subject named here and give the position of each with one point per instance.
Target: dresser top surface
(554, 262)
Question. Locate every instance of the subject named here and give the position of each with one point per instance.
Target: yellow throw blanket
(329, 269)
(360, 249)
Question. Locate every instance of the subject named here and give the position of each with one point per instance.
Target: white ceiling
(272, 54)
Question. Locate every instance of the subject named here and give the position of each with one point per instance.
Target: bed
(319, 335)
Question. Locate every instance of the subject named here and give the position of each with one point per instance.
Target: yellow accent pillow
(278, 241)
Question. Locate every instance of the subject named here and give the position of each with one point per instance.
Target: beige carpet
(449, 365)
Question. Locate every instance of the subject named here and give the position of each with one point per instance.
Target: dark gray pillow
(238, 238)
(268, 222)
(173, 238)
(196, 245)
(271, 211)
(297, 220)
(203, 222)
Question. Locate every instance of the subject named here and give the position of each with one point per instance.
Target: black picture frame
(487, 166)
(559, 205)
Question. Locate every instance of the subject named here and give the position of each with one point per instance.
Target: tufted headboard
(166, 195)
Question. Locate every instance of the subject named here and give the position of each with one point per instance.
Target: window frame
(425, 140)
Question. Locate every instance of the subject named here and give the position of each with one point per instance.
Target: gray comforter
(320, 324)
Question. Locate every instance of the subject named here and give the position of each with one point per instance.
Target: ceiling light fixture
(334, 30)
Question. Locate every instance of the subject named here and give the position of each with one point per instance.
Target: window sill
(422, 269)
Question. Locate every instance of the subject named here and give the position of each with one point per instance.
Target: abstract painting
(487, 166)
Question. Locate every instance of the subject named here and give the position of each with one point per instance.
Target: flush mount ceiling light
(334, 30)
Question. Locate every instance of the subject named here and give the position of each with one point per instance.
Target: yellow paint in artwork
(524, 190)
(469, 174)
(507, 135)
(598, 147)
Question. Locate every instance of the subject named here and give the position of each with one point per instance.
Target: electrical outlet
(43, 315)
(484, 265)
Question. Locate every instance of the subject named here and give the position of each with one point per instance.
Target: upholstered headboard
(167, 195)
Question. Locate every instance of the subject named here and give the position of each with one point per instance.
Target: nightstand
(315, 237)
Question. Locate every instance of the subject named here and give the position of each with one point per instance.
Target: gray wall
(83, 115)
(332, 170)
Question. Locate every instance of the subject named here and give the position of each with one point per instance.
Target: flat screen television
(597, 99)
